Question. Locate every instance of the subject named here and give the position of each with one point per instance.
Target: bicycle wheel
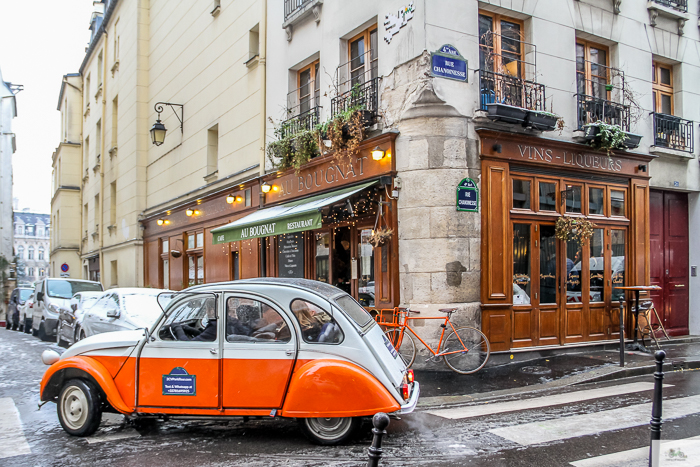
(408, 346)
(475, 354)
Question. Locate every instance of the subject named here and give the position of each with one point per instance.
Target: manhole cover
(535, 370)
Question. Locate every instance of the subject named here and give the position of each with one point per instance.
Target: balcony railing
(292, 6)
(673, 132)
(357, 84)
(592, 109)
(303, 109)
(680, 5)
(304, 121)
(506, 89)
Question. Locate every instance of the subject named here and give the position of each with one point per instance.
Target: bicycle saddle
(447, 310)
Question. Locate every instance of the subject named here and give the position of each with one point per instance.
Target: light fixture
(158, 129)
(275, 188)
(239, 199)
(377, 154)
(160, 222)
(265, 187)
(230, 199)
(348, 207)
(642, 168)
(189, 212)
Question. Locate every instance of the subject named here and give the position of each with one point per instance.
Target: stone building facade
(32, 246)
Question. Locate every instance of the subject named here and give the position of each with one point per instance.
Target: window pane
(666, 104)
(597, 265)
(521, 264)
(323, 241)
(548, 196)
(166, 274)
(366, 279)
(191, 271)
(190, 241)
(617, 240)
(521, 194)
(165, 246)
(485, 42)
(249, 320)
(317, 325)
(665, 76)
(617, 203)
(548, 265)
(200, 240)
(573, 272)
(188, 320)
(200, 269)
(573, 198)
(596, 198)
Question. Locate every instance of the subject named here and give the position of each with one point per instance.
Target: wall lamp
(192, 212)
(230, 199)
(377, 154)
(158, 130)
(163, 222)
(265, 187)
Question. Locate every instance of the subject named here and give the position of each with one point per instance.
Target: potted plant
(604, 136)
(541, 120)
(380, 236)
(506, 113)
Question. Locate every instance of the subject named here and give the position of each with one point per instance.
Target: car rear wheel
(42, 332)
(329, 431)
(79, 408)
(27, 326)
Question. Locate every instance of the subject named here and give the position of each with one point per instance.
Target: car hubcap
(75, 408)
(329, 428)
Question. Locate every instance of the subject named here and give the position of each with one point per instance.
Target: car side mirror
(74, 306)
(113, 313)
(39, 296)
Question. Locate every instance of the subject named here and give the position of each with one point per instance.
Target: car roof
(318, 288)
(64, 279)
(136, 291)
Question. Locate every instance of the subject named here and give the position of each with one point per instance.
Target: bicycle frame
(403, 326)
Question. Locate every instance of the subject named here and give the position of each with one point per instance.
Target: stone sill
(211, 177)
(668, 152)
(252, 61)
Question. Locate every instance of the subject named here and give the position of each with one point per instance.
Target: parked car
(17, 299)
(121, 309)
(71, 317)
(25, 314)
(52, 294)
(268, 347)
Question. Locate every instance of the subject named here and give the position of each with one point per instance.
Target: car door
(112, 318)
(259, 350)
(181, 374)
(91, 320)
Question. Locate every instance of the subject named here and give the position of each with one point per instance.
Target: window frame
(588, 73)
(314, 94)
(658, 89)
(373, 57)
(496, 46)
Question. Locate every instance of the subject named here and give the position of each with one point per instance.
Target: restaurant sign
(276, 226)
(448, 63)
(467, 196)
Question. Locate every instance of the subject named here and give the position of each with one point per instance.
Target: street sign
(467, 196)
(64, 267)
(448, 63)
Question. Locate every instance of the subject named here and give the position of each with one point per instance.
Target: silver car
(121, 309)
(71, 318)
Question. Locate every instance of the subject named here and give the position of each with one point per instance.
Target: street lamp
(158, 130)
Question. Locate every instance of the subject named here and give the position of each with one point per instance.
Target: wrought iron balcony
(293, 6)
(303, 109)
(673, 132)
(357, 84)
(680, 5)
(593, 109)
(499, 88)
(304, 121)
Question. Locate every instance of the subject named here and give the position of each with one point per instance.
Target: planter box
(632, 140)
(506, 113)
(540, 121)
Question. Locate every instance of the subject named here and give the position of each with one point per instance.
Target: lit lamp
(192, 212)
(230, 199)
(377, 154)
(160, 221)
(239, 199)
(265, 187)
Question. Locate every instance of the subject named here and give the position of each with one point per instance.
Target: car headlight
(53, 308)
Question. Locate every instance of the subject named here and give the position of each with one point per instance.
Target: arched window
(41, 253)
(20, 252)
(30, 254)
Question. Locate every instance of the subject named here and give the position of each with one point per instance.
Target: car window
(317, 325)
(66, 289)
(353, 309)
(249, 320)
(142, 307)
(192, 315)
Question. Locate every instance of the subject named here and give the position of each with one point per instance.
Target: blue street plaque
(448, 63)
(467, 196)
(179, 383)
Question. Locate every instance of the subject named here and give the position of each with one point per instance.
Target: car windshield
(142, 307)
(66, 289)
(87, 302)
(25, 294)
(353, 310)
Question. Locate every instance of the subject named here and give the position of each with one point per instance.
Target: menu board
(291, 255)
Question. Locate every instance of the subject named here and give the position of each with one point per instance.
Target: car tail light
(405, 391)
(409, 376)
(31, 305)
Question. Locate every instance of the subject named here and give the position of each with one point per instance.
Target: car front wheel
(59, 339)
(79, 408)
(329, 431)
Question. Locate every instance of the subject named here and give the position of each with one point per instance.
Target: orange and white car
(259, 347)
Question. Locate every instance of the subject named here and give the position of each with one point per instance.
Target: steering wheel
(170, 328)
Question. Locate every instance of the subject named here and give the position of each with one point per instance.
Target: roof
(319, 288)
(63, 87)
(32, 218)
(105, 19)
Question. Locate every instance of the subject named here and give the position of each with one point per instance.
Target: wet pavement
(417, 439)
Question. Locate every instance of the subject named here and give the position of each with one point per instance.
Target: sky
(40, 41)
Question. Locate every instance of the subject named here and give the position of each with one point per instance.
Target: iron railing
(292, 6)
(506, 89)
(357, 84)
(680, 5)
(673, 132)
(593, 109)
(303, 109)
(301, 122)
(515, 58)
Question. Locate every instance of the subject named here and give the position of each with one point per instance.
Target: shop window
(597, 265)
(617, 263)
(548, 196)
(323, 243)
(662, 88)
(596, 201)
(521, 264)
(548, 265)
(521, 194)
(617, 203)
(573, 199)
(366, 277)
(317, 325)
(342, 259)
(249, 320)
(573, 271)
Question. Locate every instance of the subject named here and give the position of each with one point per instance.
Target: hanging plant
(292, 150)
(603, 136)
(380, 236)
(574, 229)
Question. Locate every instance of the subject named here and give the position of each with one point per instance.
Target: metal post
(656, 410)
(622, 333)
(380, 422)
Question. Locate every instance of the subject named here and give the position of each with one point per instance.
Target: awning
(296, 216)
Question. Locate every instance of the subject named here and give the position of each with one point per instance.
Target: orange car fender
(76, 367)
(335, 388)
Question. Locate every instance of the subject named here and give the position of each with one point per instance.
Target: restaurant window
(617, 203)
(236, 260)
(500, 44)
(596, 201)
(521, 194)
(592, 70)
(365, 251)
(596, 261)
(662, 88)
(573, 199)
(617, 263)
(322, 255)
(521, 264)
(309, 87)
(548, 265)
(573, 271)
(248, 198)
(363, 56)
(342, 259)
(195, 258)
(548, 196)
(165, 262)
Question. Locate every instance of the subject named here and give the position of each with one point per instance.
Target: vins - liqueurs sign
(467, 196)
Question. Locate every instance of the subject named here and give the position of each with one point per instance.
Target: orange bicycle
(465, 350)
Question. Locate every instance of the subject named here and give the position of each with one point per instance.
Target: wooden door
(669, 245)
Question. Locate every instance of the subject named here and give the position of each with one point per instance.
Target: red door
(669, 258)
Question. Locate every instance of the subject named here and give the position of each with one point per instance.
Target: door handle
(213, 351)
(680, 285)
(289, 353)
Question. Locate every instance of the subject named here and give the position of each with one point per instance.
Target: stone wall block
(432, 255)
(434, 187)
(447, 222)
(452, 127)
(475, 254)
(414, 223)
(467, 290)
(455, 153)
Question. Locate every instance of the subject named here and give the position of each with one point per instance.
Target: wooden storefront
(536, 289)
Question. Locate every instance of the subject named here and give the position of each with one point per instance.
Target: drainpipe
(262, 32)
(102, 153)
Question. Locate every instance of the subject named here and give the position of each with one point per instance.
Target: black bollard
(622, 333)
(380, 422)
(656, 410)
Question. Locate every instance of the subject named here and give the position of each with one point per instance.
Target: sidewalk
(576, 366)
